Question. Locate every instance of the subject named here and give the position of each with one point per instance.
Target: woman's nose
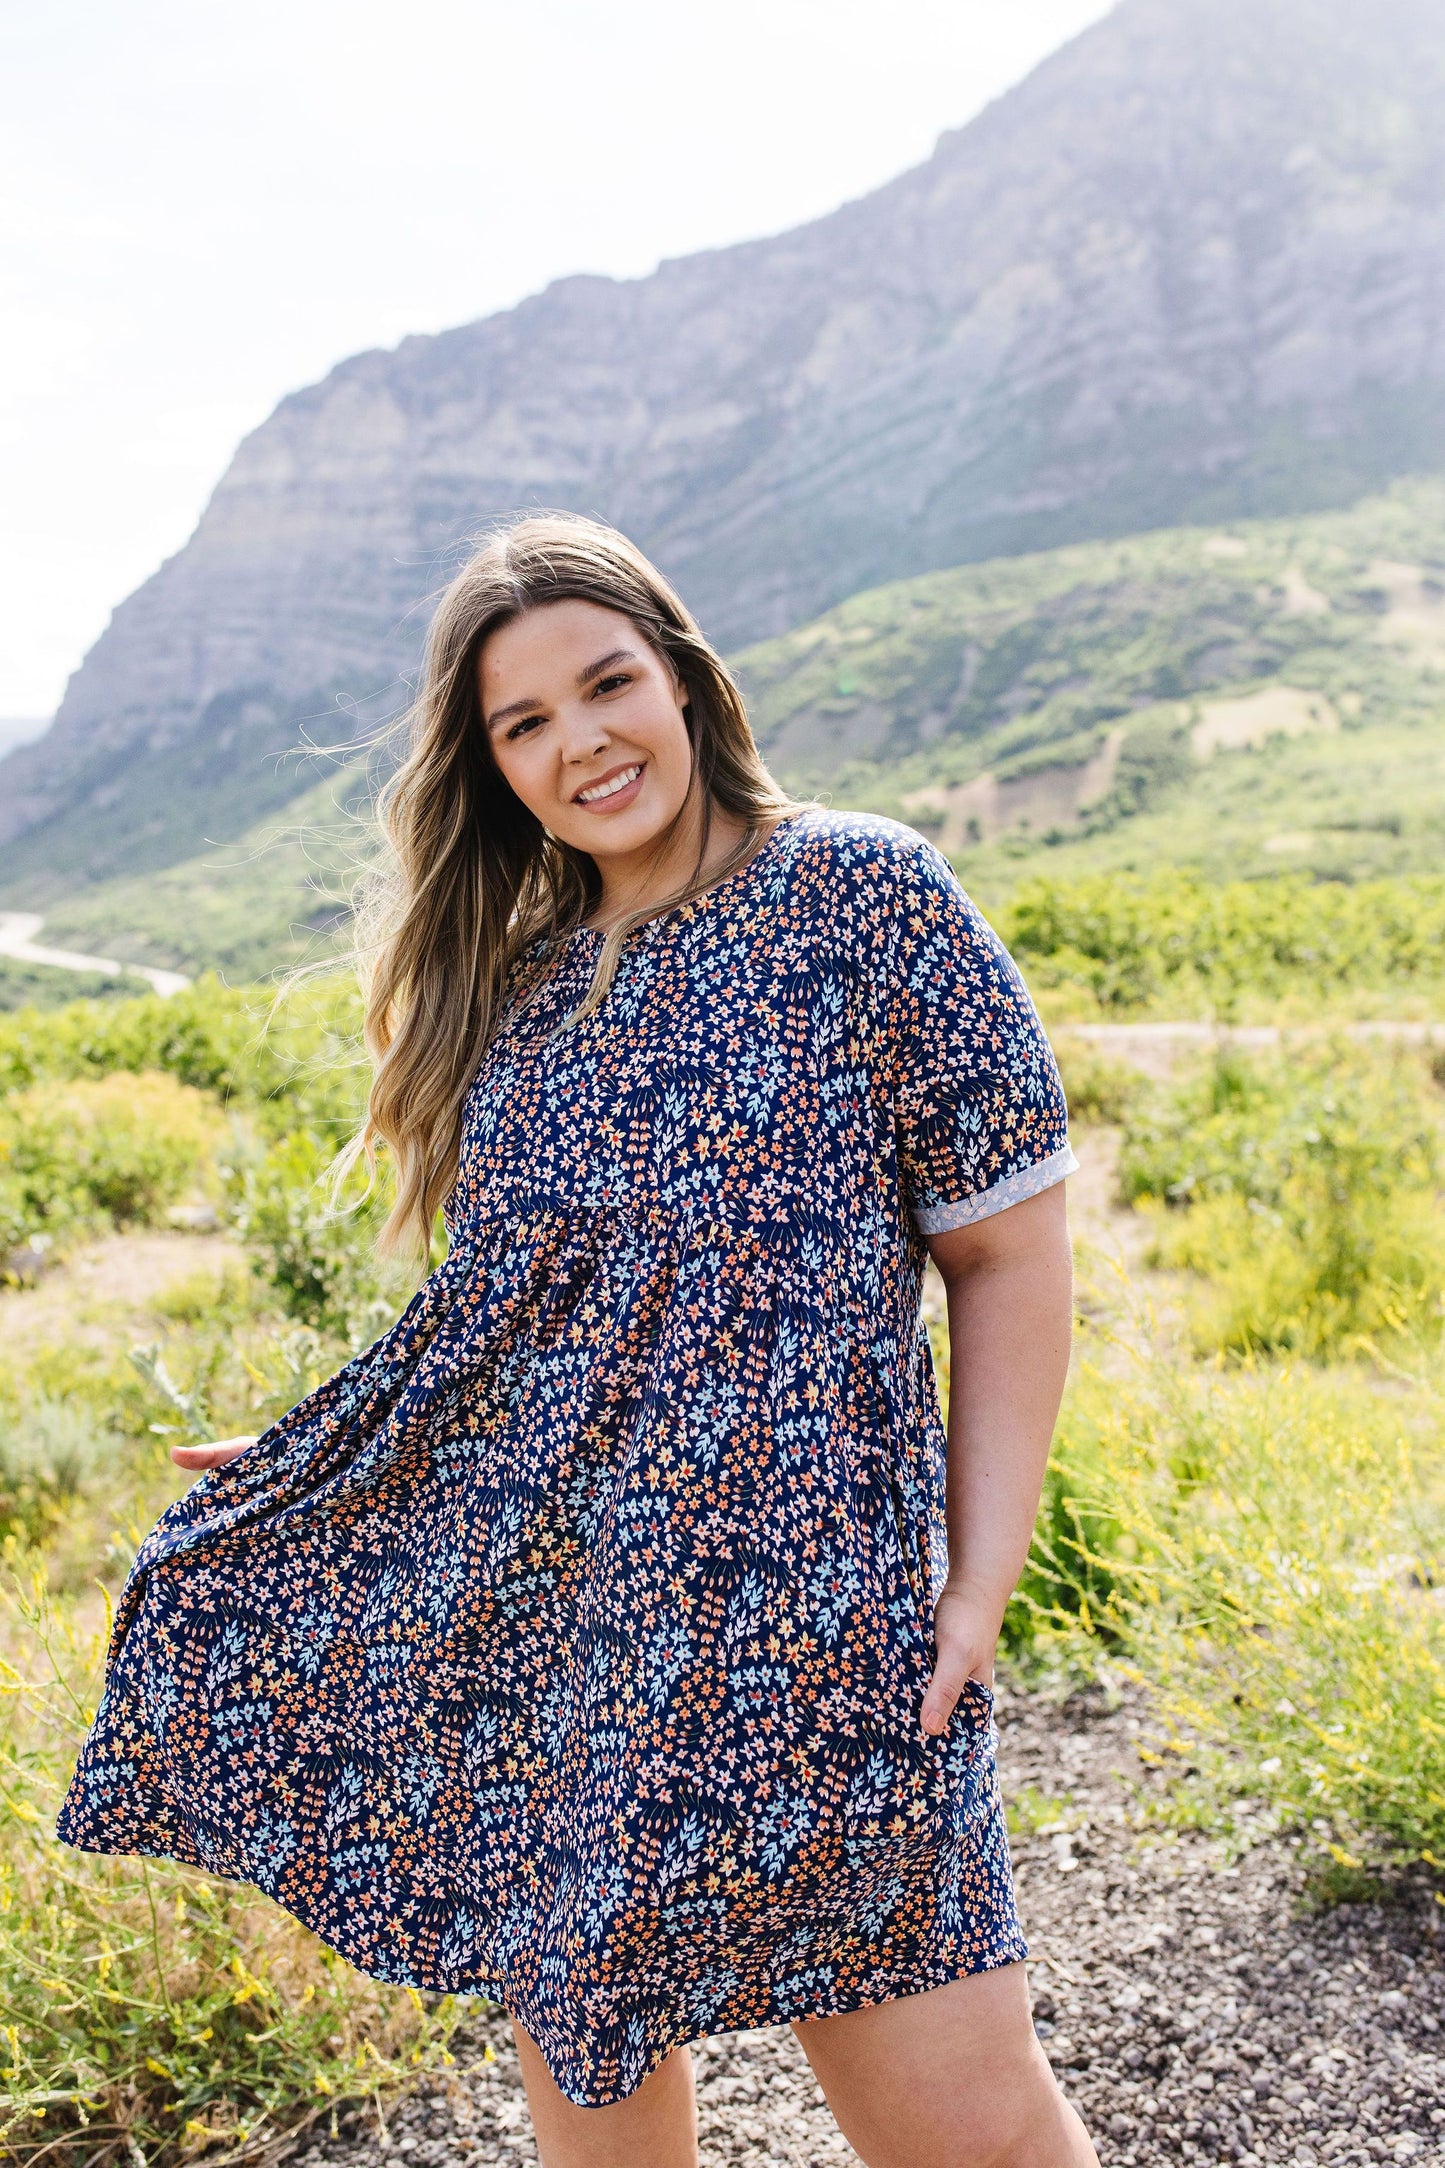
(584, 734)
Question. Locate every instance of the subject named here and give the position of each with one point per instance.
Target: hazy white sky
(206, 204)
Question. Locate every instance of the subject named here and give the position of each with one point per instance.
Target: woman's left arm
(1010, 1320)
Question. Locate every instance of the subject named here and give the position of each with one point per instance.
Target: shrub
(114, 1150)
(1301, 1189)
(50, 986)
(318, 1260)
(293, 1061)
(202, 1036)
(1097, 1089)
(51, 1452)
(1174, 942)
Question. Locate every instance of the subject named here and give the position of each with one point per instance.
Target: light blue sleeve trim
(936, 1219)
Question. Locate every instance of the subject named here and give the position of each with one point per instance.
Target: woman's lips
(615, 799)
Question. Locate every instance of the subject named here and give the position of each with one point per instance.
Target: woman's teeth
(607, 790)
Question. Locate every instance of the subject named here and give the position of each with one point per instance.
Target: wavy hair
(472, 877)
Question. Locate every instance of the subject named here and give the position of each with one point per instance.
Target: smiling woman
(606, 738)
(557, 657)
(615, 1636)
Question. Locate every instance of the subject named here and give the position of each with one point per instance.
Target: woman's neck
(641, 878)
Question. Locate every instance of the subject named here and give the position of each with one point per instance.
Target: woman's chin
(627, 833)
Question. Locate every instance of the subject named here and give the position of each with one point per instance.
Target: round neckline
(704, 895)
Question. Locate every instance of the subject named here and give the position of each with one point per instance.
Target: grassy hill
(1235, 703)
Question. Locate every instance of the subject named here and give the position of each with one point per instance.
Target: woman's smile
(611, 791)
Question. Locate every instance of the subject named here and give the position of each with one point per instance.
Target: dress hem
(492, 1988)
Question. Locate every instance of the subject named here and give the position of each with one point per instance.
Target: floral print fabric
(568, 1645)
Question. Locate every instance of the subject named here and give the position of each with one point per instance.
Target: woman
(606, 1639)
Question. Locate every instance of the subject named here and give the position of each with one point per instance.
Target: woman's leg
(952, 2078)
(655, 2127)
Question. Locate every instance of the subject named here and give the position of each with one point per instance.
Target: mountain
(1192, 268)
(1264, 697)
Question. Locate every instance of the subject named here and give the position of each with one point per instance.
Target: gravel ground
(1195, 2008)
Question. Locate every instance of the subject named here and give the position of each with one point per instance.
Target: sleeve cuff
(936, 1219)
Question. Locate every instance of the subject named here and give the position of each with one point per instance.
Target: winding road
(17, 939)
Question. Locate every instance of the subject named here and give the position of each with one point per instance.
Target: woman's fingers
(950, 1676)
(964, 1643)
(214, 1455)
(960, 1657)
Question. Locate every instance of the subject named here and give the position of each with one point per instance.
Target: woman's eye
(620, 677)
(523, 723)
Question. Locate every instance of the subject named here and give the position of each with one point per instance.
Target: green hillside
(1240, 703)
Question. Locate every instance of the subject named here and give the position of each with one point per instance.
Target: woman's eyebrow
(603, 662)
(585, 677)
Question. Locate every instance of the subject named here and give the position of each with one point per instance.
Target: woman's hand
(965, 1629)
(214, 1455)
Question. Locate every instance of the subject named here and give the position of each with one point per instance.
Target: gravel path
(1195, 2009)
(1155, 1047)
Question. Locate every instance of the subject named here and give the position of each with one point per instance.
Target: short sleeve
(979, 1108)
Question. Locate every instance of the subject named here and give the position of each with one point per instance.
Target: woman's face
(586, 722)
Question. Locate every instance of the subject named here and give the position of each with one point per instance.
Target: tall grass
(149, 2013)
(1267, 1548)
(1302, 1191)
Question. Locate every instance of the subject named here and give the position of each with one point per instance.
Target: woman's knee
(654, 2127)
(951, 2078)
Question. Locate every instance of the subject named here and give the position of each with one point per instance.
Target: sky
(204, 205)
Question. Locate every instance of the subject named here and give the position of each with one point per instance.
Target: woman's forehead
(554, 639)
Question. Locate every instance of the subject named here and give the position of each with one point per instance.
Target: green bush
(203, 1036)
(293, 1061)
(1301, 1189)
(318, 1259)
(1097, 1088)
(112, 1150)
(49, 986)
(51, 1453)
(1176, 944)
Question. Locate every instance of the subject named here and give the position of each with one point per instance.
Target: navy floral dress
(568, 1646)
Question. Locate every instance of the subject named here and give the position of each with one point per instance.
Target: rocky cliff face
(1194, 266)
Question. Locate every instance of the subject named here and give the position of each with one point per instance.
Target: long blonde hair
(474, 878)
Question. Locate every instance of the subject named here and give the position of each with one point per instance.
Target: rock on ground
(1195, 2008)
